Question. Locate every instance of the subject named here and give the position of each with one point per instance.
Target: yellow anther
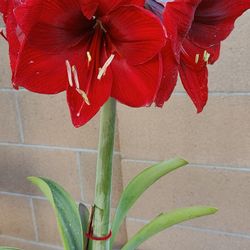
(84, 96)
(206, 56)
(89, 57)
(197, 58)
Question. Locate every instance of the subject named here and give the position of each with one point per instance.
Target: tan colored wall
(37, 138)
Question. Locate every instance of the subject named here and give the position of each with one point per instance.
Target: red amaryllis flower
(93, 49)
(195, 29)
(13, 32)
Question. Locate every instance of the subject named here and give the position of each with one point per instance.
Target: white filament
(197, 57)
(103, 70)
(69, 72)
(75, 74)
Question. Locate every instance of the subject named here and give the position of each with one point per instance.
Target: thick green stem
(104, 174)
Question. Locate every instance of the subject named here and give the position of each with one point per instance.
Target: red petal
(136, 86)
(59, 14)
(3, 6)
(106, 6)
(14, 34)
(195, 83)
(194, 74)
(135, 2)
(53, 26)
(98, 94)
(178, 18)
(169, 76)
(195, 56)
(214, 20)
(52, 39)
(136, 33)
(43, 72)
(27, 15)
(193, 70)
(89, 7)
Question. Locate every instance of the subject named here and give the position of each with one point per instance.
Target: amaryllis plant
(100, 51)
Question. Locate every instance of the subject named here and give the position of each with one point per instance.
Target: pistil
(99, 23)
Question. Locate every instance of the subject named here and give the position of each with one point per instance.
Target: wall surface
(37, 138)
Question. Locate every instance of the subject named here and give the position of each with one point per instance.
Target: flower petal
(13, 32)
(97, 94)
(214, 20)
(195, 83)
(89, 7)
(193, 70)
(43, 72)
(169, 76)
(107, 6)
(134, 2)
(136, 33)
(136, 86)
(3, 6)
(60, 14)
(178, 18)
(56, 27)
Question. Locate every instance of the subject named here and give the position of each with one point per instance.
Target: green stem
(104, 174)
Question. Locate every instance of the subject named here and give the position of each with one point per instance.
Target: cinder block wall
(37, 138)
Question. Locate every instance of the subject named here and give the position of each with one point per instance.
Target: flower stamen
(99, 23)
(206, 56)
(84, 96)
(75, 74)
(69, 72)
(197, 58)
(89, 57)
(103, 70)
(80, 91)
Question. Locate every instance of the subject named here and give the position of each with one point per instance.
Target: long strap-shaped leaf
(138, 185)
(68, 218)
(164, 221)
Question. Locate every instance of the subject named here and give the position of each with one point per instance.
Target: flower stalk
(104, 174)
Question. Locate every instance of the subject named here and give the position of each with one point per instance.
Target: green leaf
(84, 214)
(138, 185)
(164, 221)
(67, 215)
(8, 248)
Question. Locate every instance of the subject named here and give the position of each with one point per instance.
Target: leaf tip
(214, 210)
(31, 178)
(181, 160)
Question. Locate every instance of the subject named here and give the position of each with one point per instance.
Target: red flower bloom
(93, 49)
(13, 32)
(195, 29)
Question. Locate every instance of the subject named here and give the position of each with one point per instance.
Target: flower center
(95, 67)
